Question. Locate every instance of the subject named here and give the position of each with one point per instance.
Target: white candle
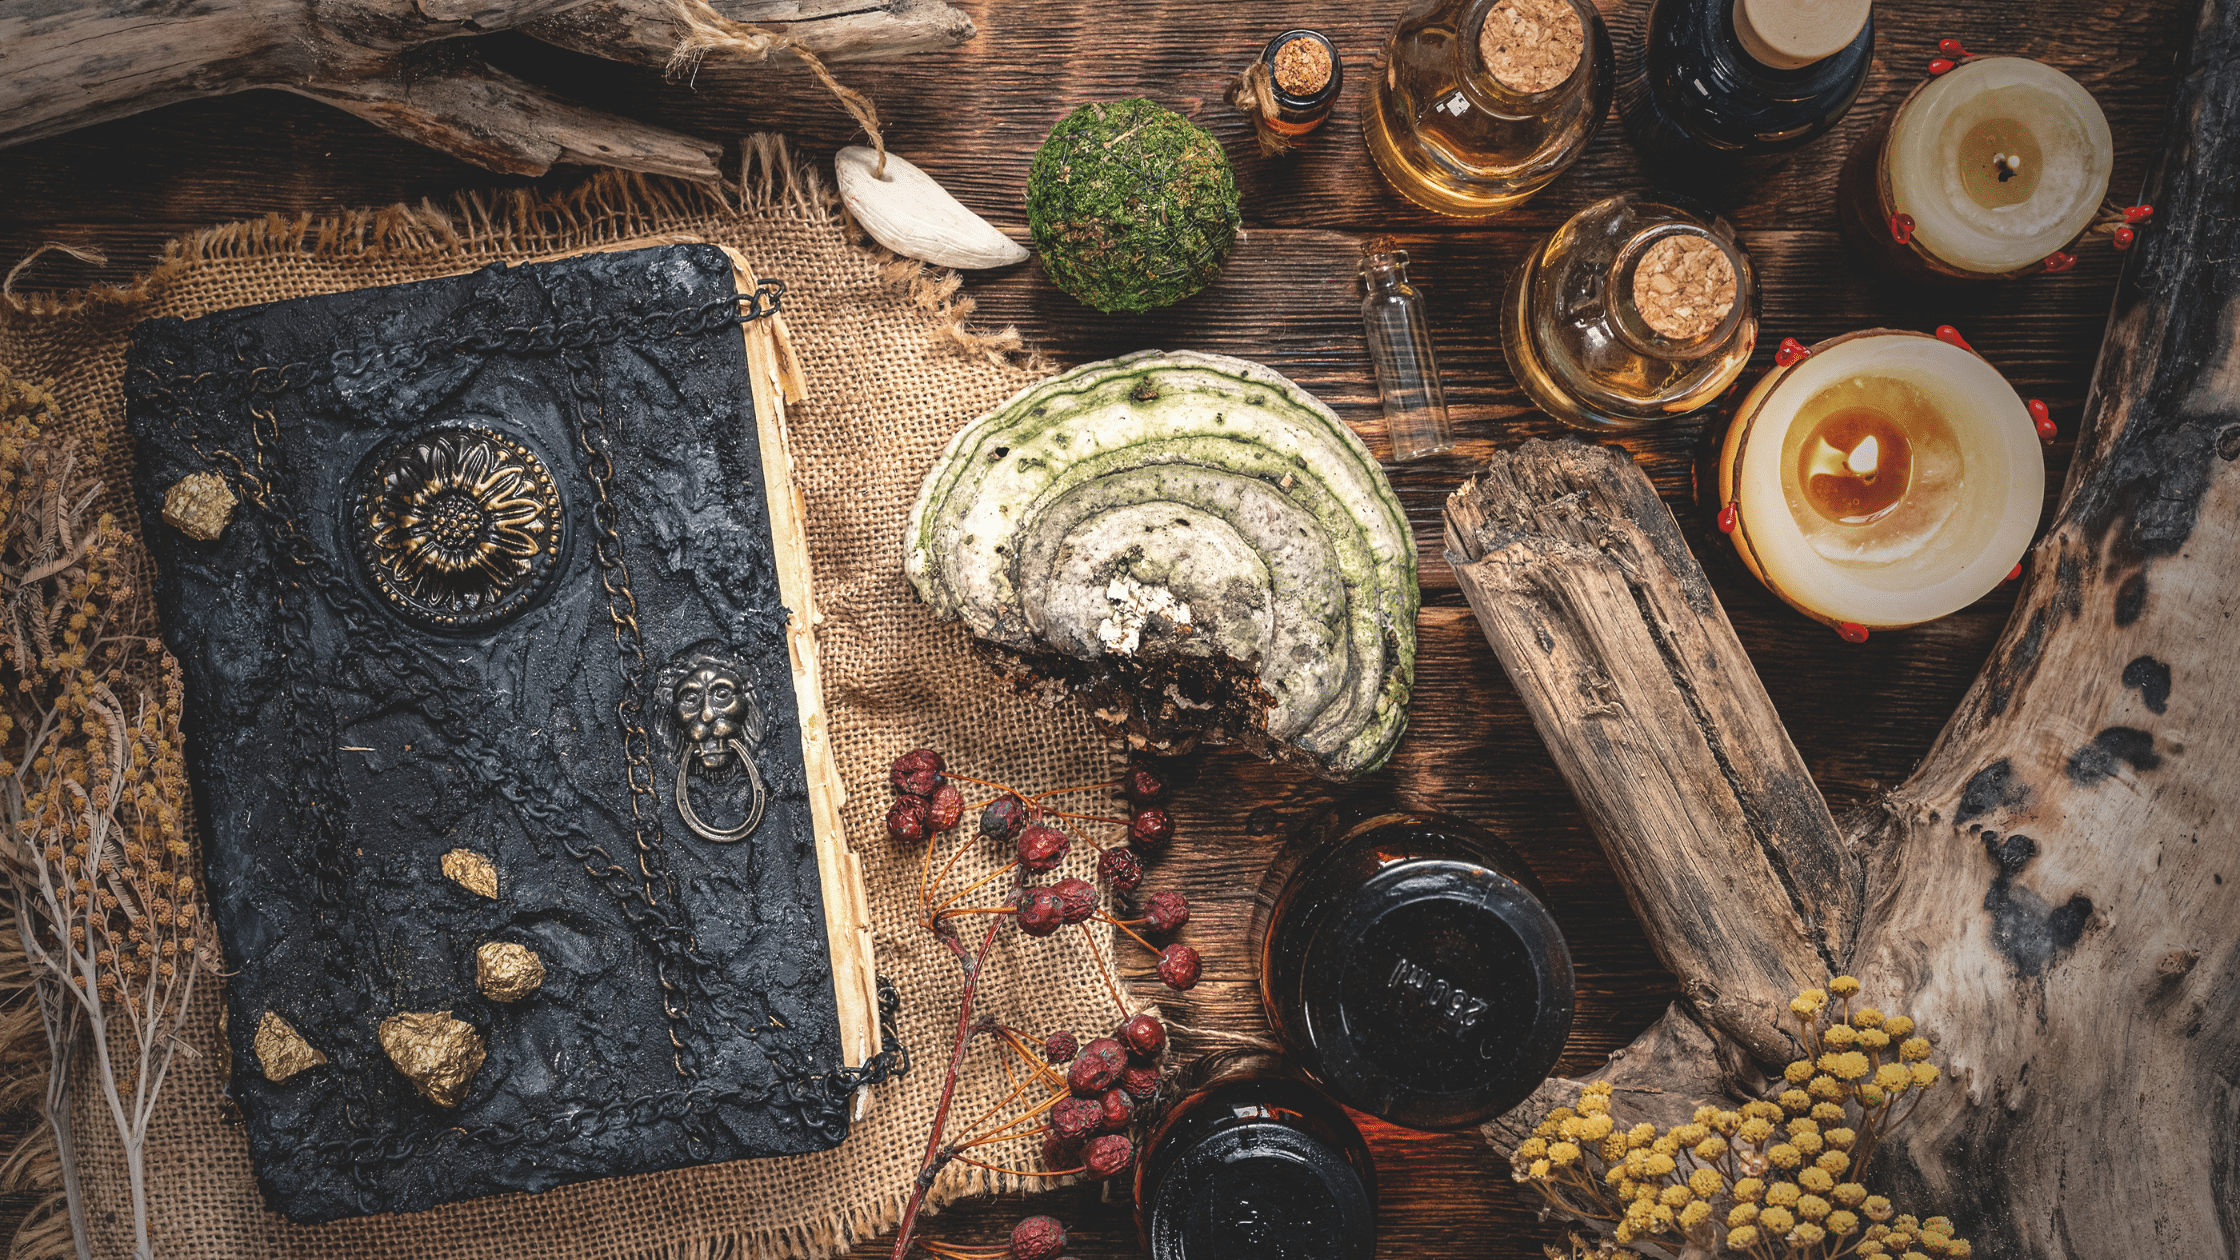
(1995, 166)
(1886, 479)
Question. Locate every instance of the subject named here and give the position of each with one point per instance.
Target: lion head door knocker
(713, 727)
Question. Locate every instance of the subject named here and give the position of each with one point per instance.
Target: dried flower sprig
(1078, 1100)
(1774, 1178)
(94, 780)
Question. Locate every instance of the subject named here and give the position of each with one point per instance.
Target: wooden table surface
(1862, 716)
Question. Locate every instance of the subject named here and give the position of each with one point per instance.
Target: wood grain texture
(1607, 627)
(1861, 717)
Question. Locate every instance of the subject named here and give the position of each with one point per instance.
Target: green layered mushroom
(1193, 546)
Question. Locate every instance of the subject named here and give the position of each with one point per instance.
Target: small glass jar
(1299, 112)
(1729, 90)
(1639, 309)
(1409, 967)
(1453, 137)
(1251, 1162)
(1399, 335)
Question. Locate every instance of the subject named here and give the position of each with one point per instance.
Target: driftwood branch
(1606, 625)
(411, 67)
(2056, 891)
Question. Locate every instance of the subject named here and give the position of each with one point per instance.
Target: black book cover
(497, 585)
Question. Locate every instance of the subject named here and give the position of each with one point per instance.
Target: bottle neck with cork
(1729, 89)
(1483, 102)
(1638, 310)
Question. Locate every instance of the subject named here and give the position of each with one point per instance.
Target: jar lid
(1437, 994)
(1262, 1191)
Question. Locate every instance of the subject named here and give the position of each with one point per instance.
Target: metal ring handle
(684, 799)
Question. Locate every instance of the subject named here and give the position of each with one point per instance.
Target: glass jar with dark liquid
(1409, 967)
(1253, 1163)
(1729, 89)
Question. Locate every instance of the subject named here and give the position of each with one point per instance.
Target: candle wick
(2007, 167)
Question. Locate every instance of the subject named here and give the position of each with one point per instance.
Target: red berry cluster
(929, 803)
(1107, 1082)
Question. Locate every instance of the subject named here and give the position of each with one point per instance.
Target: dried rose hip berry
(1097, 1067)
(1144, 1036)
(907, 820)
(1003, 818)
(1166, 911)
(1042, 911)
(1120, 868)
(945, 807)
(1178, 966)
(917, 773)
(1038, 1238)
(1060, 1153)
(1080, 897)
(1108, 1156)
(1060, 1046)
(1119, 1110)
(1144, 786)
(1042, 848)
(1140, 1082)
(1076, 1118)
(1151, 827)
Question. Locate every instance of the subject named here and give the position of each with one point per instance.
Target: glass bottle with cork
(1637, 310)
(1730, 89)
(1408, 965)
(1482, 102)
(1252, 1162)
(1289, 90)
(1392, 316)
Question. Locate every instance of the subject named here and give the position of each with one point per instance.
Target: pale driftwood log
(409, 66)
(2056, 891)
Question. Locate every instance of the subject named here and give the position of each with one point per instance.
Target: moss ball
(1132, 206)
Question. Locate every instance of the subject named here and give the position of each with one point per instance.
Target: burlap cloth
(892, 372)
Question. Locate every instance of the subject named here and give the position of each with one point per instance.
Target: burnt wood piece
(2047, 893)
(405, 66)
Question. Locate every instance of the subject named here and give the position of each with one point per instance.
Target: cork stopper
(1792, 34)
(1531, 45)
(1302, 67)
(1683, 287)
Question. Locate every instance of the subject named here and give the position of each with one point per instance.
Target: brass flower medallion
(459, 527)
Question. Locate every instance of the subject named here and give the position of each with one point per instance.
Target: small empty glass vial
(1251, 1162)
(1482, 102)
(1409, 967)
(1639, 309)
(1415, 402)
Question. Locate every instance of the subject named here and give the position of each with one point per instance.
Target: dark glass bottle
(1251, 1162)
(1729, 89)
(1408, 965)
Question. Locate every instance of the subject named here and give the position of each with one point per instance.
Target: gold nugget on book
(437, 1053)
(506, 972)
(281, 1050)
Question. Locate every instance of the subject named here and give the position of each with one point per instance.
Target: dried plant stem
(937, 1157)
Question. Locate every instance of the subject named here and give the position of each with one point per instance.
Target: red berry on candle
(1951, 48)
(1939, 66)
(2014, 573)
(1901, 228)
(1727, 519)
(2058, 261)
(2124, 237)
(1791, 352)
(1949, 335)
(2138, 214)
(1852, 632)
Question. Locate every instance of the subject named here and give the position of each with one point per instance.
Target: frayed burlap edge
(479, 228)
(484, 227)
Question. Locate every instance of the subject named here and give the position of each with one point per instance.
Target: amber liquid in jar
(1409, 967)
(1251, 1162)
(1452, 137)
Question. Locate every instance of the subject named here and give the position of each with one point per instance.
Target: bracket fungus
(1192, 546)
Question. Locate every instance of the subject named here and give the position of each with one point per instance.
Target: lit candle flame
(1863, 457)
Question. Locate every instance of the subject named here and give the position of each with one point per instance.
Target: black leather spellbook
(493, 730)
